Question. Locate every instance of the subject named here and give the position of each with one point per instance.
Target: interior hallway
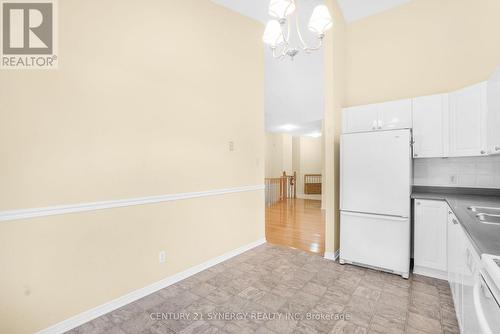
(296, 223)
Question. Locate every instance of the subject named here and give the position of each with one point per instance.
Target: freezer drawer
(377, 241)
(376, 172)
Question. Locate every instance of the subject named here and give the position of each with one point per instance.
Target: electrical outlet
(162, 257)
(231, 146)
(453, 179)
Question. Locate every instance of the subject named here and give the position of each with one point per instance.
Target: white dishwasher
(487, 295)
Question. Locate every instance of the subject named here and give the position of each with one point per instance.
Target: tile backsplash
(474, 172)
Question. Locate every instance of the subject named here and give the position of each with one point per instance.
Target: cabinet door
(470, 322)
(430, 234)
(360, 119)
(468, 121)
(453, 261)
(493, 118)
(457, 266)
(430, 128)
(395, 115)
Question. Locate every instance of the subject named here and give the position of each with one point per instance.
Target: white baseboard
(100, 310)
(332, 256)
(434, 273)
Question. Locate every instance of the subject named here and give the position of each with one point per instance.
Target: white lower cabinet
(463, 270)
(443, 250)
(456, 262)
(470, 323)
(430, 238)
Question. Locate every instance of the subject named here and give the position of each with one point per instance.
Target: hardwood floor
(297, 223)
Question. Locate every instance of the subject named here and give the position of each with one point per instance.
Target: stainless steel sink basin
(485, 210)
(488, 219)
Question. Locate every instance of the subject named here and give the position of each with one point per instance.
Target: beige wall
(278, 154)
(310, 156)
(274, 155)
(144, 103)
(335, 82)
(421, 48)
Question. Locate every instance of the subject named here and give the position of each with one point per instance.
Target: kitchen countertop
(484, 237)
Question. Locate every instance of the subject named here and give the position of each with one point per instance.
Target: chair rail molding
(11, 215)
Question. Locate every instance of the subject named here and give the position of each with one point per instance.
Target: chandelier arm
(299, 33)
(317, 47)
(279, 55)
(286, 39)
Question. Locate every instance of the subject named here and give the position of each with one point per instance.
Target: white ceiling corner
(354, 10)
(255, 9)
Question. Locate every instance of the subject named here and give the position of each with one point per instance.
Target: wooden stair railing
(280, 188)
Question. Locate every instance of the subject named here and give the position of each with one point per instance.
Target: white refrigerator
(375, 190)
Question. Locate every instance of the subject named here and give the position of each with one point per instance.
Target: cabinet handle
(415, 155)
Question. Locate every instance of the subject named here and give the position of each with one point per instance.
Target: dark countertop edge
(448, 194)
(456, 191)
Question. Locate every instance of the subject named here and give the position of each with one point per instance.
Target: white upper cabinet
(395, 115)
(468, 111)
(493, 117)
(382, 116)
(460, 124)
(430, 236)
(430, 126)
(360, 119)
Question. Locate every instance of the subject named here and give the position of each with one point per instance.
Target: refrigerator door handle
(374, 215)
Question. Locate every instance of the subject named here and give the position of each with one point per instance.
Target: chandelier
(277, 32)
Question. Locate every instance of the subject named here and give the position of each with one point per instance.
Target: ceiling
(352, 10)
(256, 9)
(294, 91)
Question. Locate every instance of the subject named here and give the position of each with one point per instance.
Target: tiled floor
(272, 281)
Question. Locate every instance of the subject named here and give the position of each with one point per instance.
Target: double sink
(487, 215)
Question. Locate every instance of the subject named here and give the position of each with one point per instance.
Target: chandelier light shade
(279, 41)
(280, 9)
(273, 35)
(321, 20)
